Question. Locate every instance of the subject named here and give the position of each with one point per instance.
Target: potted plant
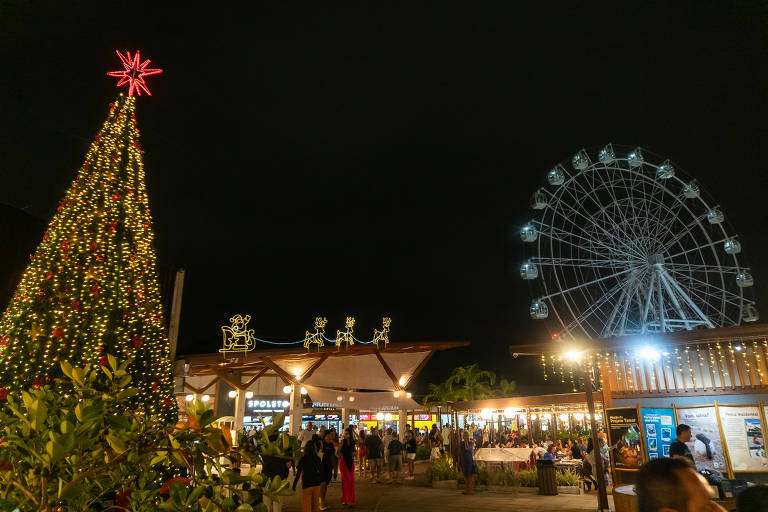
(529, 481)
(567, 482)
(273, 492)
(442, 473)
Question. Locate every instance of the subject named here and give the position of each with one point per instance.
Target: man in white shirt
(446, 435)
(386, 440)
(306, 435)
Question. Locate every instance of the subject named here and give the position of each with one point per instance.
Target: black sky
(372, 158)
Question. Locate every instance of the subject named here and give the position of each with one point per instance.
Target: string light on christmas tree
(91, 286)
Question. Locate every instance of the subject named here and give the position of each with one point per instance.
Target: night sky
(377, 158)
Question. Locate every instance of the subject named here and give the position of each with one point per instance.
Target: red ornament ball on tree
(58, 332)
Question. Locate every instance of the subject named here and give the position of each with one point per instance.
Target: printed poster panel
(659, 429)
(624, 434)
(705, 445)
(744, 438)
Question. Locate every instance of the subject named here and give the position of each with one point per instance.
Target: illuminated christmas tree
(91, 286)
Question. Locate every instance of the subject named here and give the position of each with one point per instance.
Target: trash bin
(547, 481)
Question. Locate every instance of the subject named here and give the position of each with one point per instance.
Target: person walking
(309, 467)
(375, 451)
(326, 472)
(410, 452)
(435, 442)
(446, 438)
(467, 464)
(385, 441)
(347, 468)
(362, 455)
(395, 449)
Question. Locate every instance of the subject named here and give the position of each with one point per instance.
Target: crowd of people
(380, 456)
(668, 484)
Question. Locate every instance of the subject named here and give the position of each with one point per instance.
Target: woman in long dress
(347, 468)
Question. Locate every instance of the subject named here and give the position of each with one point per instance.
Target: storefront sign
(705, 444)
(266, 405)
(659, 429)
(624, 436)
(744, 439)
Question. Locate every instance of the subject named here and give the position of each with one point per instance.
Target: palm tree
(506, 388)
(473, 383)
(439, 395)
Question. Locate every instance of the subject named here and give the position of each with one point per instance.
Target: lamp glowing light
(408, 395)
(303, 390)
(379, 416)
(403, 380)
(564, 417)
(649, 354)
(232, 394)
(340, 398)
(573, 355)
(286, 389)
(205, 398)
(190, 398)
(738, 348)
(249, 394)
(351, 399)
(578, 416)
(387, 417)
(485, 414)
(396, 394)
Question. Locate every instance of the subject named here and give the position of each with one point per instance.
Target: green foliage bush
(565, 477)
(441, 469)
(482, 476)
(422, 452)
(77, 450)
(528, 478)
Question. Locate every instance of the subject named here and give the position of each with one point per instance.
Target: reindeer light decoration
(383, 334)
(316, 338)
(236, 337)
(346, 336)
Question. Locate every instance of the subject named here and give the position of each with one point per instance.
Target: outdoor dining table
(503, 454)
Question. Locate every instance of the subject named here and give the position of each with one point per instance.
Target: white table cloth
(503, 454)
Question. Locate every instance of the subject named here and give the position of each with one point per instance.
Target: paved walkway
(408, 498)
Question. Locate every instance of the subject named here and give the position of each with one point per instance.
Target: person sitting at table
(576, 452)
(550, 454)
(540, 450)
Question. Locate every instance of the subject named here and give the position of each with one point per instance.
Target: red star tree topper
(134, 72)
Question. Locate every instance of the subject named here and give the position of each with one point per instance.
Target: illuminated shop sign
(266, 405)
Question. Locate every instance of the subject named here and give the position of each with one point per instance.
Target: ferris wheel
(621, 246)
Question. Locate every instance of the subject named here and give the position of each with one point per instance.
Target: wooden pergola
(350, 373)
(270, 362)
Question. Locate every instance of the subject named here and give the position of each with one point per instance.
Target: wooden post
(602, 496)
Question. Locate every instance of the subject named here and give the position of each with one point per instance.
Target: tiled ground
(391, 498)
